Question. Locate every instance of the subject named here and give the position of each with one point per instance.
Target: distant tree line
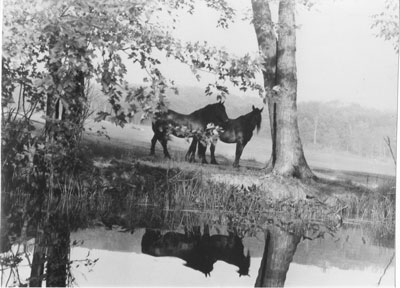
(347, 127)
(333, 126)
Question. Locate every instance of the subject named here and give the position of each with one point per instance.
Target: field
(136, 139)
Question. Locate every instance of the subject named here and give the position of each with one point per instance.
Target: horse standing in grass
(196, 122)
(239, 131)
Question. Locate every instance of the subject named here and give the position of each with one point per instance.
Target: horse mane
(258, 124)
(196, 112)
(202, 109)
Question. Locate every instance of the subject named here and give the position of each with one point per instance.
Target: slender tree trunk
(267, 45)
(287, 157)
(51, 102)
(316, 120)
(279, 250)
(38, 259)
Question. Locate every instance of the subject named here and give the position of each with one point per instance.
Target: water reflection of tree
(280, 246)
(47, 256)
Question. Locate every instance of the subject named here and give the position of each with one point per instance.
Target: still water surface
(354, 256)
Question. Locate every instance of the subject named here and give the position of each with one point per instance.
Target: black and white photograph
(199, 143)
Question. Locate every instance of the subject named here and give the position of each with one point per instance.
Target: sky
(338, 55)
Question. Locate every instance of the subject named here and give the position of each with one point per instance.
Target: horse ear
(223, 102)
(254, 108)
(261, 109)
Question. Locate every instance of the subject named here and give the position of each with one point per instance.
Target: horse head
(256, 119)
(217, 110)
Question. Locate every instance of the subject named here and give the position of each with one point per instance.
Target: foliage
(94, 38)
(387, 23)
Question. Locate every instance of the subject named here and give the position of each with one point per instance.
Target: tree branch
(387, 266)
(387, 141)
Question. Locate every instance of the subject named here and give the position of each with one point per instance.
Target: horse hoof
(236, 165)
(214, 162)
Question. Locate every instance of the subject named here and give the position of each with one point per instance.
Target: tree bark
(38, 259)
(279, 250)
(287, 157)
(316, 120)
(267, 45)
(58, 251)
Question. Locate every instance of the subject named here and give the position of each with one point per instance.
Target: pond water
(353, 256)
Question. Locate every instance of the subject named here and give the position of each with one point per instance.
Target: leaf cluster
(92, 39)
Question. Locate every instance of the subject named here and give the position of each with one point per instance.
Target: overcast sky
(338, 56)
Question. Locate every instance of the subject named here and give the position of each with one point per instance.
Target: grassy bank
(125, 187)
(346, 196)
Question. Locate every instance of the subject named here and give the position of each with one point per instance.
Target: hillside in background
(330, 126)
(347, 127)
(192, 98)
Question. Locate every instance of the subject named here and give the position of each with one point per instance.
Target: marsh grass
(129, 194)
(126, 186)
(376, 207)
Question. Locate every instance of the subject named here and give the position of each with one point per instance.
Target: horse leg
(239, 150)
(190, 155)
(163, 142)
(202, 152)
(153, 144)
(212, 150)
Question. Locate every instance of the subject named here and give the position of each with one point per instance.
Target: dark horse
(239, 131)
(196, 122)
(199, 251)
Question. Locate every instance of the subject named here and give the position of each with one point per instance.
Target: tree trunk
(267, 45)
(279, 250)
(316, 120)
(287, 157)
(52, 105)
(58, 251)
(38, 259)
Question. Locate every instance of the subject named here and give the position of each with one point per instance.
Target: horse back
(176, 119)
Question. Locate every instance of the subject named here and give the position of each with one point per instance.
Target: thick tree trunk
(279, 250)
(290, 160)
(58, 251)
(287, 157)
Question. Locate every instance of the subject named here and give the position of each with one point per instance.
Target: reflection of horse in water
(239, 131)
(196, 122)
(199, 251)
